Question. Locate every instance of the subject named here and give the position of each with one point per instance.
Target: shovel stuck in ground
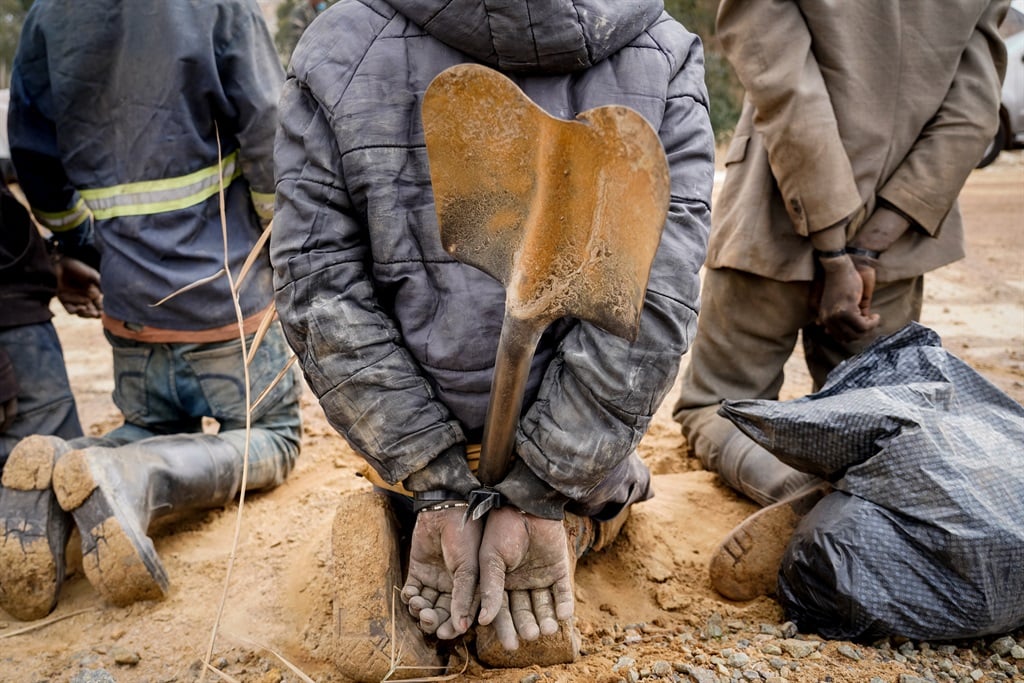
(567, 215)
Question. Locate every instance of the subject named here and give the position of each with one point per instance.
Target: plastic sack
(924, 534)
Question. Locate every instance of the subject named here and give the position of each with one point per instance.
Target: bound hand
(440, 589)
(78, 288)
(525, 578)
(844, 310)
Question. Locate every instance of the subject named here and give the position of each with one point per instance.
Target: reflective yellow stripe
(158, 196)
(263, 202)
(62, 221)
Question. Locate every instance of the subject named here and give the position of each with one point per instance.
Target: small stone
(125, 656)
(798, 649)
(700, 675)
(1017, 652)
(530, 678)
(714, 628)
(771, 649)
(788, 630)
(623, 663)
(909, 678)
(738, 660)
(93, 676)
(1002, 646)
(849, 652)
(661, 668)
(977, 674)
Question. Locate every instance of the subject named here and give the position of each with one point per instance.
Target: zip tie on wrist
(830, 253)
(861, 251)
(444, 506)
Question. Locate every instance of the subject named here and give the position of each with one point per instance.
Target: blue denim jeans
(45, 403)
(169, 388)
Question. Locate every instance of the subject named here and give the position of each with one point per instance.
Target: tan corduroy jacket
(849, 103)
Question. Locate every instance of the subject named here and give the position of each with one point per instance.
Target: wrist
(436, 499)
(53, 250)
(863, 252)
(827, 254)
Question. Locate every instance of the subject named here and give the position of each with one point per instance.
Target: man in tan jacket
(862, 120)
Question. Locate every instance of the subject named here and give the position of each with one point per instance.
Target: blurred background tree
(12, 14)
(724, 89)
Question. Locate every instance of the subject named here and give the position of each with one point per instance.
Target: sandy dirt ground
(273, 612)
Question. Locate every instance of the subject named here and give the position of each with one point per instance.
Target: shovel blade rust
(567, 215)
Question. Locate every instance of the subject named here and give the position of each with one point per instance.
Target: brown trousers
(747, 330)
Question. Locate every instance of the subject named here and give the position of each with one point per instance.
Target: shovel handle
(516, 347)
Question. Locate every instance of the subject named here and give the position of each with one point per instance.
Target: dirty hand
(440, 589)
(78, 288)
(843, 310)
(525, 582)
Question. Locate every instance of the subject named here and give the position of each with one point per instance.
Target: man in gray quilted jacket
(397, 339)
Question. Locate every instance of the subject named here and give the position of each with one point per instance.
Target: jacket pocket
(737, 151)
(130, 394)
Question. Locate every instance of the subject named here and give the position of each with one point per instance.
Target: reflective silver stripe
(159, 196)
(62, 221)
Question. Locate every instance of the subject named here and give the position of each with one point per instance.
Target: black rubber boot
(35, 529)
(115, 493)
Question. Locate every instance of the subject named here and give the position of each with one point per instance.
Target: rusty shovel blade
(567, 215)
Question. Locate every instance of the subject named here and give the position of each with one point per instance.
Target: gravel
(739, 652)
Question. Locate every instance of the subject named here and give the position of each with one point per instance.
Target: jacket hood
(549, 36)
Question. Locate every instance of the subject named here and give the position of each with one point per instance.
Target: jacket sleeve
(600, 392)
(371, 389)
(928, 181)
(768, 44)
(55, 202)
(251, 76)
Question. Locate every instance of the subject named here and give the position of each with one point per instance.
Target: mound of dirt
(253, 584)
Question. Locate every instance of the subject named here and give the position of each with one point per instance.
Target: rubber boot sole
(563, 646)
(375, 636)
(746, 564)
(117, 556)
(35, 530)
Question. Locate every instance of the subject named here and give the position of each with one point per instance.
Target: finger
(565, 600)
(492, 585)
(519, 604)
(418, 603)
(464, 598)
(410, 590)
(430, 594)
(544, 611)
(504, 628)
(442, 613)
(431, 619)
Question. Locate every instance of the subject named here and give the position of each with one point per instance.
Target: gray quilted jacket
(396, 338)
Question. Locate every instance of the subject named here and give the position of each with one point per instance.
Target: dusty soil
(252, 583)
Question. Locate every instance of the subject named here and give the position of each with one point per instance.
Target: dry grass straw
(248, 352)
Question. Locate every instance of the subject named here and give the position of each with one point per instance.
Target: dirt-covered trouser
(45, 402)
(165, 389)
(747, 330)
